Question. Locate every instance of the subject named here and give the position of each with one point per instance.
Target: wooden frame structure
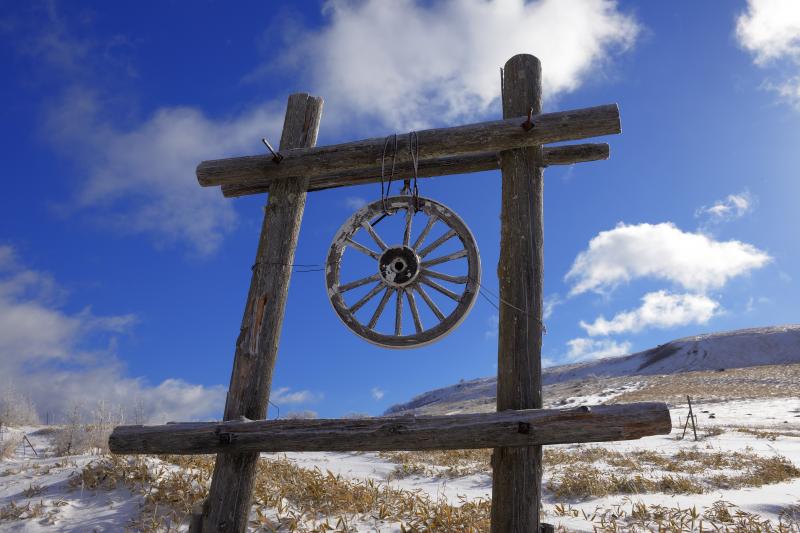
(520, 427)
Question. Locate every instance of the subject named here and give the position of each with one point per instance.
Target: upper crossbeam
(352, 157)
(428, 168)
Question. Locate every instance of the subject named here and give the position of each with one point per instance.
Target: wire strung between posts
(306, 267)
(483, 291)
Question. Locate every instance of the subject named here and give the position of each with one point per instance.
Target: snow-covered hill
(732, 349)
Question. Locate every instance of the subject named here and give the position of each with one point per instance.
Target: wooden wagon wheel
(404, 271)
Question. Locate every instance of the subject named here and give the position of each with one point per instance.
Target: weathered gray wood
(517, 472)
(257, 346)
(475, 430)
(482, 137)
(429, 168)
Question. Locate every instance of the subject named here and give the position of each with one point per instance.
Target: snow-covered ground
(66, 507)
(29, 481)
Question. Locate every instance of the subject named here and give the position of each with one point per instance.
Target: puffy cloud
(733, 207)
(770, 30)
(413, 63)
(141, 178)
(52, 355)
(582, 349)
(661, 251)
(659, 309)
(377, 393)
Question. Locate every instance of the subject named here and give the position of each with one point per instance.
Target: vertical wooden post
(229, 500)
(517, 472)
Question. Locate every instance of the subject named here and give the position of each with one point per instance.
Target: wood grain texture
(257, 345)
(430, 168)
(517, 472)
(482, 137)
(517, 428)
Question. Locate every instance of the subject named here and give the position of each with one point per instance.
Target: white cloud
(582, 349)
(550, 304)
(54, 356)
(661, 251)
(377, 393)
(660, 310)
(417, 63)
(770, 30)
(141, 178)
(284, 395)
(733, 207)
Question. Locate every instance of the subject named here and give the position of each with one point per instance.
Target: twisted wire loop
(406, 271)
(385, 195)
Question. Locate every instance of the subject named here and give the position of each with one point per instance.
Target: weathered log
(475, 430)
(231, 489)
(429, 168)
(349, 157)
(517, 472)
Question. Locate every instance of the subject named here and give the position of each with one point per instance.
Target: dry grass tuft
(439, 463)
(638, 517)
(596, 471)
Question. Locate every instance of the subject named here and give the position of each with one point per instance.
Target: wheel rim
(404, 272)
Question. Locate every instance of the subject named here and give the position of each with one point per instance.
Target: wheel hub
(398, 266)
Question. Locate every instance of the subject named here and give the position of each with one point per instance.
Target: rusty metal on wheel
(405, 271)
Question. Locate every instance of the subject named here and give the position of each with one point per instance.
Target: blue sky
(122, 279)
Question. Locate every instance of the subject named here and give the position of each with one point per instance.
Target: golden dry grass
(722, 516)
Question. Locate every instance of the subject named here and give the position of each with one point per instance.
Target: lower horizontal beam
(428, 168)
(476, 430)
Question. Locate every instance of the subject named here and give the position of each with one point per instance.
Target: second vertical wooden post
(517, 472)
(228, 505)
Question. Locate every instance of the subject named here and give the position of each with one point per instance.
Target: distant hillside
(732, 349)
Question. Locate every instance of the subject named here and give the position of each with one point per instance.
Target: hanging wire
(413, 151)
(385, 195)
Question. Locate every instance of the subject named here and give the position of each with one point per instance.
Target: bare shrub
(16, 409)
(10, 442)
(87, 431)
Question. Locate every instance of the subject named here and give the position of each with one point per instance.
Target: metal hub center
(398, 266)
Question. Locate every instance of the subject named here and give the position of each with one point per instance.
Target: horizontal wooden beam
(476, 430)
(429, 168)
(483, 137)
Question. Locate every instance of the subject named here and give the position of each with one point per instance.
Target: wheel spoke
(434, 285)
(412, 302)
(363, 249)
(438, 242)
(445, 277)
(430, 302)
(445, 258)
(367, 297)
(367, 226)
(407, 234)
(377, 314)
(431, 221)
(398, 316)
(359, 282)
